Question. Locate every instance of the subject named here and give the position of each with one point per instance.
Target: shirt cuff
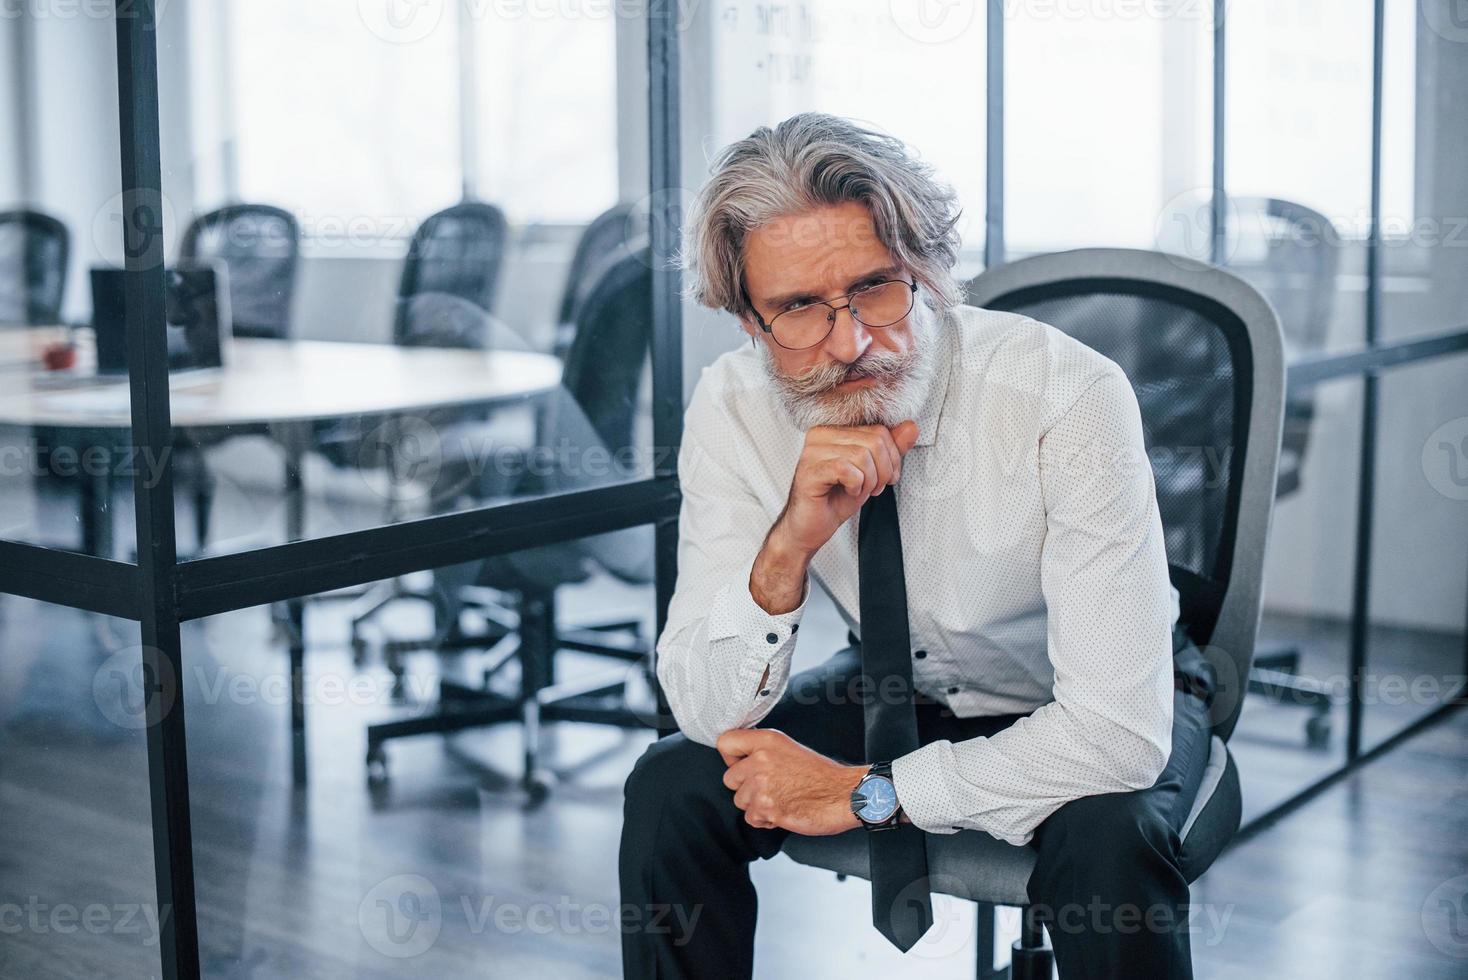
(922, 788)
(735, 613)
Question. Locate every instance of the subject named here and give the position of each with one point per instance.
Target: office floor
(1361, 882)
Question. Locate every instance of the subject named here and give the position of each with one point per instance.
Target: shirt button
(794, 628)
(771, 638)
(953, 690)
(920, 654)
(957, 828)
(765, 693)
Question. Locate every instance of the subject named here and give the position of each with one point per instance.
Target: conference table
(281, 388)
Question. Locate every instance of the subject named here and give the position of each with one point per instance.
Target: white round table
(282, 387)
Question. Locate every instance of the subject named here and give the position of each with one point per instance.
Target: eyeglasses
(878, 305)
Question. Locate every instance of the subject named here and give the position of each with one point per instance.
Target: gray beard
(902, 384)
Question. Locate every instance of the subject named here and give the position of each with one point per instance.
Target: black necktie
(902, 909)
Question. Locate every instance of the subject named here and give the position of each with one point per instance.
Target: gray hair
(808, 161)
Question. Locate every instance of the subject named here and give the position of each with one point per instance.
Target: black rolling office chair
(35, 250)
(450, 280)
(458, 251)
(1203, 351)
(1291, 254)
(593, 416)
(260, 248)
(601, 244)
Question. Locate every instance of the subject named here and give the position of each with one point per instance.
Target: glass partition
(1417, 653)
(1425, 218)
(64, 442)
(1293, 727)
(77, 897)
(432, 858)
(1298, 164)
(433, 296)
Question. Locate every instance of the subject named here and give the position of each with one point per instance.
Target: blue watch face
(879, 799)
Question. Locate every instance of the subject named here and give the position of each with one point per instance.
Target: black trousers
(1106, 879)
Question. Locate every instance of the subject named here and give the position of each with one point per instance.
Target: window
(363, 124)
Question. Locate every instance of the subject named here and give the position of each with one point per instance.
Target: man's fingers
(735, 744)
(875, 443)
(737, 773)
(847, 475)
(904, 435)
(744, 795)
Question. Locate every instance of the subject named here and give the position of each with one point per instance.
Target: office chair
(1291, 254)
(601, 244)
(35, 250)
(423, 320)
(1203, 351)
(458, 251)
(593, 415)
(259, 246)
(455, 258)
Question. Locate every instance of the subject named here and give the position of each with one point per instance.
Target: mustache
(879, 364)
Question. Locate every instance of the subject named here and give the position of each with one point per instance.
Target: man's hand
(839, 468)
(778, 782)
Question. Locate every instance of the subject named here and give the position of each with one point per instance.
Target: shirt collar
(931, 413)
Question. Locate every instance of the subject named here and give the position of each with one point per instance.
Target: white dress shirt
(1036, 574)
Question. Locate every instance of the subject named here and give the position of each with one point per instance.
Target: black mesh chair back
(458, 251)
(35, 250)
(1292, 255)
(597, 407)
(1187, 337)
(605, 362)
(260, 247)
(590, 422)
(601, 244)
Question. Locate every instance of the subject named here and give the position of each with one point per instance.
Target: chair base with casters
(980, 868)
(1276, 676)
(533, 641)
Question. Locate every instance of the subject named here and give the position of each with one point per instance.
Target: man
(1015, 670)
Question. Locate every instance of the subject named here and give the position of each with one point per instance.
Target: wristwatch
(874, 801)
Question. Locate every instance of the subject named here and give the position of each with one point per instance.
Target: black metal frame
(160, 593)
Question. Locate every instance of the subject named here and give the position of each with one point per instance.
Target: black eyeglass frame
(769, 328)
